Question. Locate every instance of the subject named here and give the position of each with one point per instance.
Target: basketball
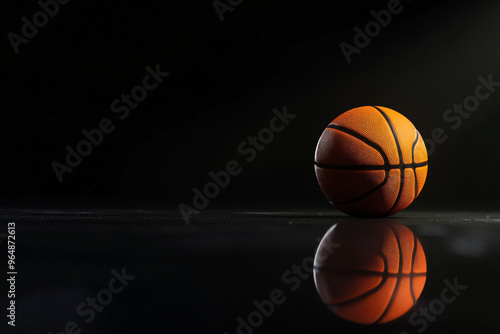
(369, 272)
(371, 162)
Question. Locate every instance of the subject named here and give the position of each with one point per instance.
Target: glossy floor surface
(235, 272)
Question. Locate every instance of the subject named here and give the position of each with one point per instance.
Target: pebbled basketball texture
(371, 162)
(370, 272)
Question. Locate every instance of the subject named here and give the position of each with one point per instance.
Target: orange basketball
(371, 161)
(369, 272)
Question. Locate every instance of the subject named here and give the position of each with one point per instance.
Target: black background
(225, 79)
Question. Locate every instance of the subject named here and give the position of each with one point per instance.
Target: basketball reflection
(369, 272)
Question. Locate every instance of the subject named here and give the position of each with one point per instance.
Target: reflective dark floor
(234, 272)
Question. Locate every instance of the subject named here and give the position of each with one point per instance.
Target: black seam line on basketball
(413, 161)
(371, 144)
(367, 293)
(366, 194)
(400, 154)
(363, 139)
(413, 166)
(367, 272)
(400, 269)
(413, 256)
